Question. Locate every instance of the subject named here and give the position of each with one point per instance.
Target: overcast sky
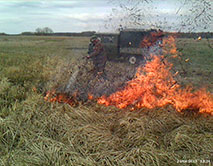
(64, 15)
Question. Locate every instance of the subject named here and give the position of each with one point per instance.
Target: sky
(66, 15)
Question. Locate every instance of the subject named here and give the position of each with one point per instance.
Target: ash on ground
(83, 82)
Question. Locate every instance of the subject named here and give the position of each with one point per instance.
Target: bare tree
(45, 30)
(127, 14)
(191, 15)
(199, 16)
(38, 30)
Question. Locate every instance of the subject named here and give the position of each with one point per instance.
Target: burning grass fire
(51, 96)
(153, 86)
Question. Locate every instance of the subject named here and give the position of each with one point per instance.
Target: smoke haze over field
(71, 16)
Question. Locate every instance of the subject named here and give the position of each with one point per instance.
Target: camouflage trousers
(99, 63)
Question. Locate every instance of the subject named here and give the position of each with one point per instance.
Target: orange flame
(90, 96)
(169, 46)
(154, 86)
(151, 39)
(51, 96)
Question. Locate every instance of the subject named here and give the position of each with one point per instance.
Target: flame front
(154, 86)
(51, 96)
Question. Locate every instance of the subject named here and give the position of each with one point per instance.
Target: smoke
(83, 81)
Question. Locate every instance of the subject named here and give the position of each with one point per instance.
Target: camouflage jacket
(97, 50)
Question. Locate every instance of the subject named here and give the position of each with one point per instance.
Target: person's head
(95, 39)
(157, 33)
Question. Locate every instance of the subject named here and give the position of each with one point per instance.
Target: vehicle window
(108, 39)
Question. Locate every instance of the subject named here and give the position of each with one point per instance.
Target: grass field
(35, 132)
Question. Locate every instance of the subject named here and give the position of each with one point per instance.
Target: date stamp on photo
(195, 161)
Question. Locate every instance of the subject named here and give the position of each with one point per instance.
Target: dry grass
(90, 134)
(34, 132)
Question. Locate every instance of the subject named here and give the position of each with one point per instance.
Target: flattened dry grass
(90, 134)
(34, 132)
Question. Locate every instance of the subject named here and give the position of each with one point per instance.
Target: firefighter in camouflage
(97, 55)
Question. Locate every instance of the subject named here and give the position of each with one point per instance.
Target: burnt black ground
(82, 81)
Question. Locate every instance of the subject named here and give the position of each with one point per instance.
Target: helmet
(98, 39)
(95, 39)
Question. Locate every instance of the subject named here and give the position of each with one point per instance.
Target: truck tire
(132, 60)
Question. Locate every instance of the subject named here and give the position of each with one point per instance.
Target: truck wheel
(132, 60)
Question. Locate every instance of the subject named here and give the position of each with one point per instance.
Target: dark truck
(132, 45)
